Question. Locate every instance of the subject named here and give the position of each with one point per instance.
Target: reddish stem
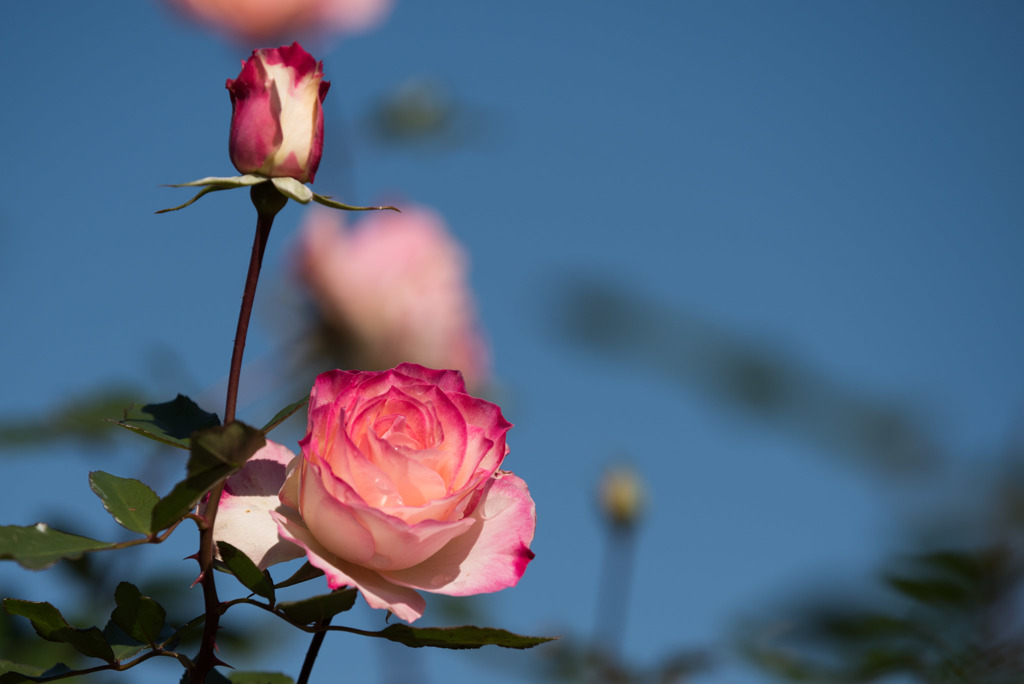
(268, 201)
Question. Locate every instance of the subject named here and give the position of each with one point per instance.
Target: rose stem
(613, 601)
(268, 201)
(311, 654)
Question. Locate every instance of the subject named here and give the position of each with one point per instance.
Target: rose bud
(277, 121)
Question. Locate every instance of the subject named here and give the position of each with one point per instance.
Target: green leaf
(216, 453)
(213, 184)
(15, 673)
(289, 187)
(123, 645)
(318, 608)
(328, 202)
(231, 444)
(242, 567)
(171, 422)
(303, 574)
(51, 625)
(259, 678)
(7, 666)
(139, 616)
(458, 637)
(129, 501)
(39, 546)
(284, 414)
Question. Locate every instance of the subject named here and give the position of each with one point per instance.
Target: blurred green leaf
(39, 546)
(83, 418)
(317, 609)
(129, 501)
(284, 414)
(14, 673)
(458, 637)
(139, 616)
(931, 591)
(242, 567)
(8, 666)
(746, 375)
(51, 625)
(215, 453)
(259, 678)
(172, 422)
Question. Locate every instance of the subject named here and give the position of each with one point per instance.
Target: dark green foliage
(171, 422)
(303, 574)
(139, 616)
(318, 609)
(259, 678)
(51, 625)
(945, 621)
(458, 637)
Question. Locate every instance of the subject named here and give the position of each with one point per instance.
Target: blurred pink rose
(397, 283)
(277, 120)
(397, 489)
(256, 21)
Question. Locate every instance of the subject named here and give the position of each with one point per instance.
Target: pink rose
(277, 121)
(255, 21)
(397, 489)
(397, 285)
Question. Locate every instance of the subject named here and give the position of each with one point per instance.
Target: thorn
(197, 580)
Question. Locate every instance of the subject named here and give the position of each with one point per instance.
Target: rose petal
(249, 496)
(447, 380)
(377, 591)
(491, 556)
(362, 534)
(334, 522)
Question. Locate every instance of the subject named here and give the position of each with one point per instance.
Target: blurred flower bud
(622, 496)
(258, 21)
(394, 289)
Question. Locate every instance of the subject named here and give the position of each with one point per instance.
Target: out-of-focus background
(767, 255)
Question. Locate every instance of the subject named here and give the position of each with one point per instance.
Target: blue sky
(836, 184)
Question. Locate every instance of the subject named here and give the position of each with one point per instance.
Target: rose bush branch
(110, 667)
(457, 638)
